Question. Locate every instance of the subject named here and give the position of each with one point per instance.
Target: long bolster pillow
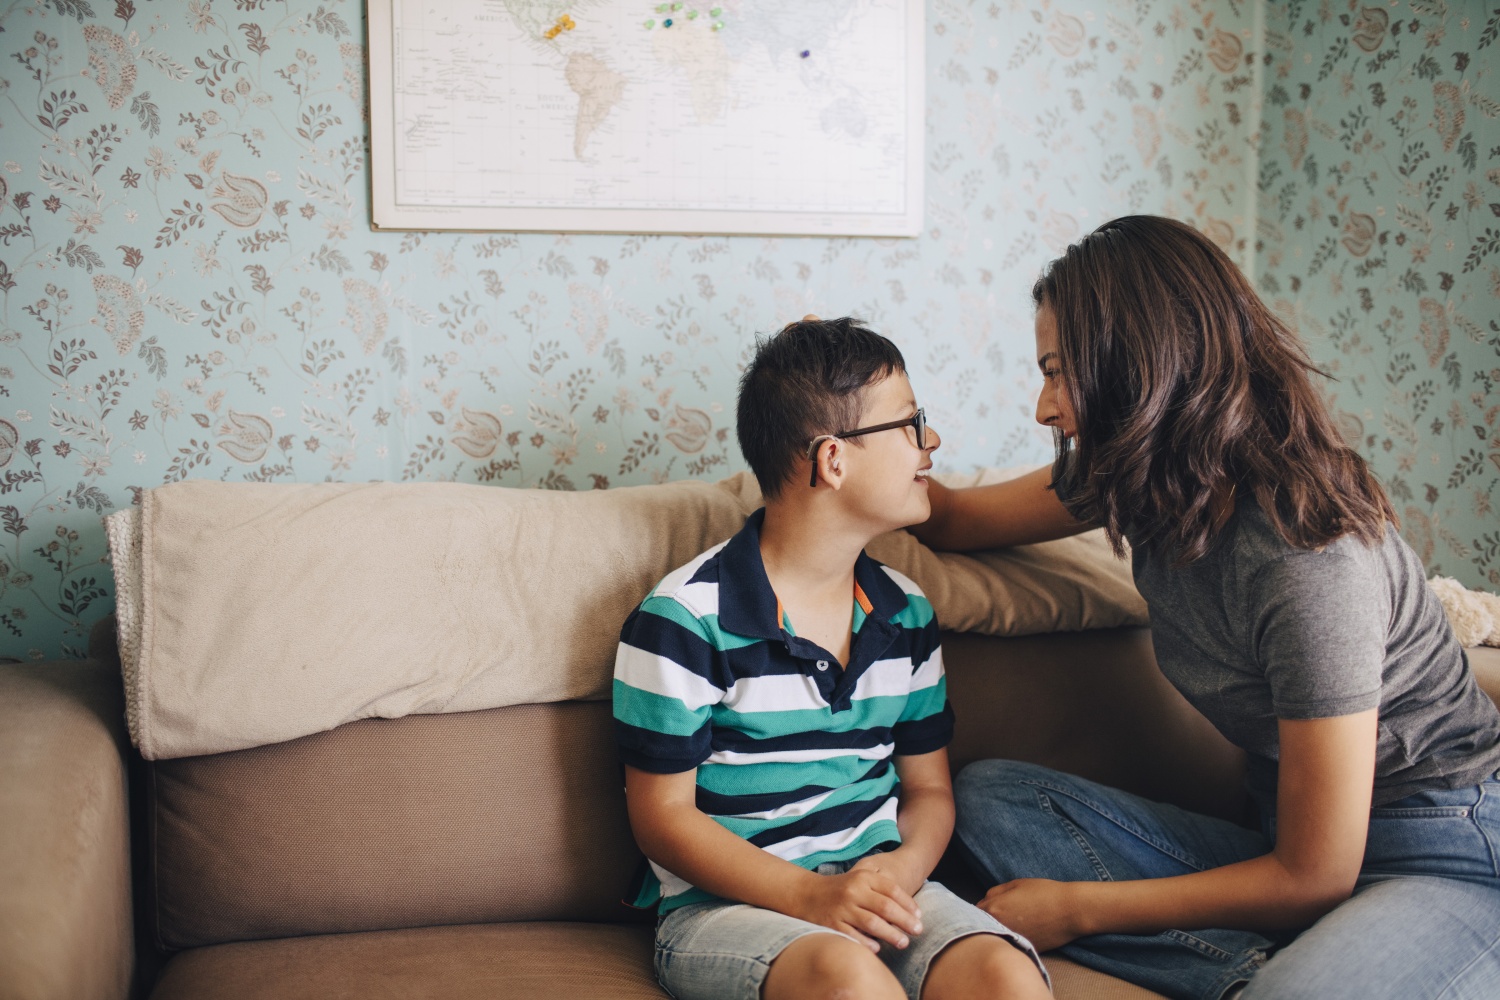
(256, 613)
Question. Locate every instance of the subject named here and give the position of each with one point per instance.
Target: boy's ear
(831, 462)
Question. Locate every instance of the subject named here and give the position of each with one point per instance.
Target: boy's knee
(983, 965)
(829, 967)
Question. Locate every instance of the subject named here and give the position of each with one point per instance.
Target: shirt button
(822, 664)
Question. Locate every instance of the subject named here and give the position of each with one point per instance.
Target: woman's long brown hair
(1188, 393)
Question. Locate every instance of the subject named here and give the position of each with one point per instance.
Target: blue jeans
(1423, 923)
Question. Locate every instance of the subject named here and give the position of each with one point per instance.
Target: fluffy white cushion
(1474, 614)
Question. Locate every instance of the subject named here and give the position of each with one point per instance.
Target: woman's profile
(1284, 606)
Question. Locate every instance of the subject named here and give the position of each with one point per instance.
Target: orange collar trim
(859, 597)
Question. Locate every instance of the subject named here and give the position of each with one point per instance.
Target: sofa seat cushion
(520, 961)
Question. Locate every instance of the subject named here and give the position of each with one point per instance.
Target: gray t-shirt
(1258, 630)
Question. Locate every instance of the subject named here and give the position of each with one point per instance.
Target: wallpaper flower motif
(191, 287)
(1379, 237)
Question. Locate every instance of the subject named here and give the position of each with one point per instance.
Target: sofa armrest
(65, 909)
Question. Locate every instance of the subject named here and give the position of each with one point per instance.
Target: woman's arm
(1015, 512)
(1327, 775)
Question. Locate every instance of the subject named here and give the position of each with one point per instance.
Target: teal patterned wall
(191, 288)
(1379, 238)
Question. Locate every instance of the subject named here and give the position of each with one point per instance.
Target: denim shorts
(721, 950)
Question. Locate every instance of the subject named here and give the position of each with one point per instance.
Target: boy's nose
(933, 439)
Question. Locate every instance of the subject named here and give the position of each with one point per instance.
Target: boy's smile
(887, 469)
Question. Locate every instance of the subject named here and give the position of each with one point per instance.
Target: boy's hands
(868, 905)
(908, 871)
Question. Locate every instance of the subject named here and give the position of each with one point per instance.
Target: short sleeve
(1319, 629)
(663, 694)
(926, 723)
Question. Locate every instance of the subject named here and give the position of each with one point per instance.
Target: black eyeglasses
(917, 421)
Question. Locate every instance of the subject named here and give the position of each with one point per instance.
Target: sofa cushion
(524, 961)
(521, 961)
(507, 814)
(253, 613)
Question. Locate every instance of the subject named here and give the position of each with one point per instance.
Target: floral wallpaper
(191, 287)
(1378, 236)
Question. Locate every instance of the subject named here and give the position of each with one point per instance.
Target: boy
(782, 714)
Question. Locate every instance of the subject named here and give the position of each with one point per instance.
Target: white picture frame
(892, 193)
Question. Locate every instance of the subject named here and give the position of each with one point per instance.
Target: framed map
(638, 116)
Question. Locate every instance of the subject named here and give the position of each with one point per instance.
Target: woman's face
(1052, 407)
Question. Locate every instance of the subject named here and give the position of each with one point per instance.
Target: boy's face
(886, 481)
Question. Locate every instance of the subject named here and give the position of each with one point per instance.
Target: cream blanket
(252, 614)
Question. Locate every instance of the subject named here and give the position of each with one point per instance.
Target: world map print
(776, 117)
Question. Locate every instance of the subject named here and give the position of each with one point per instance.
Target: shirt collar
(748, 605)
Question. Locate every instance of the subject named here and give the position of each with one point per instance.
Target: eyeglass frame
(917, 421)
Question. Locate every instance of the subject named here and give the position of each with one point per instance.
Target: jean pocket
(1440, 840)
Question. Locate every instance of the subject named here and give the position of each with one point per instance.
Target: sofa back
(518, 813)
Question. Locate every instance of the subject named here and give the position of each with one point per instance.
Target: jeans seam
(1424, 812)
(1212, 951)
(1135, 832)
(1083, 845)
(1459, 974)
(1484, 832)
(1241, 973)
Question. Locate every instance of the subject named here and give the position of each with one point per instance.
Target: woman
(1287, 609)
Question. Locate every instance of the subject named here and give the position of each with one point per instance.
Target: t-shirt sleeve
(663, 689)
(926, 723)
(1319, 632)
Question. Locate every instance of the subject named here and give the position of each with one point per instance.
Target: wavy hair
(1187, 392)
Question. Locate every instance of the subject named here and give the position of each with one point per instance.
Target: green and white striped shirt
(793, 752)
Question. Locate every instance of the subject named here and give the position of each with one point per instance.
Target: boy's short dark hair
(802, 382)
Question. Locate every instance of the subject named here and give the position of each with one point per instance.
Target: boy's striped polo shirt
(793, 753)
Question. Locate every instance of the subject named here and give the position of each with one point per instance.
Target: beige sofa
(462, 854)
